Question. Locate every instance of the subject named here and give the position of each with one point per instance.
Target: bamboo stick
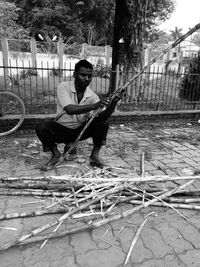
(24, 239)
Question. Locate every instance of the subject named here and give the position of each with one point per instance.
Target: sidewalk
(169, 148)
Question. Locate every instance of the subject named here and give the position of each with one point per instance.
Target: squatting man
(75, 103)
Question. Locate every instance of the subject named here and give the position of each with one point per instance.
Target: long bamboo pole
(26, 239)
(178, 41)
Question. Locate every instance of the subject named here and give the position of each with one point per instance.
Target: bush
(100, 70)
(190, 86)
(56, 72)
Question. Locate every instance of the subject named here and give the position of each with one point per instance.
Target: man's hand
(118, 96)
(102, 103)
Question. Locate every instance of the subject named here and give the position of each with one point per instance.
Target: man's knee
(101, 124)
(42, 126)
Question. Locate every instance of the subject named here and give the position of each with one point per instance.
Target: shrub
(32, 72)
(56, 72)
(190, 85)
(101, 70)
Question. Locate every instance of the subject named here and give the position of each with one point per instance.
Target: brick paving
(170, 148)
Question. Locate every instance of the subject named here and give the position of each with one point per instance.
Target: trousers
(52, 133)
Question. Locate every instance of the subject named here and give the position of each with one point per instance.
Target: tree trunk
(116, 45)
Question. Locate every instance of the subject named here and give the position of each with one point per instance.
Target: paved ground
(170, 148)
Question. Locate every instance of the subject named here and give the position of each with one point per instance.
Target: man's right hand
(102, 103)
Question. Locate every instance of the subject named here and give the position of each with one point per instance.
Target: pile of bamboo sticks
(94, 200)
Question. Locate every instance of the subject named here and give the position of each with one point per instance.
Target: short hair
(83, 63)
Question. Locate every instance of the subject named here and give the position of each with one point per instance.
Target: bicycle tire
(12, 112)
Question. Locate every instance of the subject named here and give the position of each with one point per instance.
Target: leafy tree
(139, 21)
(48, 18)
(190, 87)
(196, 38)
(136, 23)
(87, 20)
(8, 26)
(176, 33)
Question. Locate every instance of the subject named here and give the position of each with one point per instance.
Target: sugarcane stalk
(175, 205)
(35, 186)
(183, 200)
(26, 239)
(58, 220)
(171, 46)
(135, 240)
(30, 214)
(110, 181)
(157, 178)
(10, 192)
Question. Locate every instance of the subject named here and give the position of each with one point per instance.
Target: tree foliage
(139, 24)
(176, 33)
(8, 17)
(89, 21)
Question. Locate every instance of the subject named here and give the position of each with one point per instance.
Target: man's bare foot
(71, 155)
(95, 161)
(52, 162)
(72, 152)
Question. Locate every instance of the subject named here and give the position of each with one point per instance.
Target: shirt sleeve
(63, 95)
(94, 99)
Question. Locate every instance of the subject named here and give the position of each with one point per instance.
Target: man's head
(83, 74)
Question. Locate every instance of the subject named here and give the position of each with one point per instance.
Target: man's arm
(80, 109)
(104, 115)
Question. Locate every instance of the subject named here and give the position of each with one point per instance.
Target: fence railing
(155, 90)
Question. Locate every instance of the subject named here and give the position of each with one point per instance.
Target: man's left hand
(118, 96)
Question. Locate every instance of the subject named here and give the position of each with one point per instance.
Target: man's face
(83, 77)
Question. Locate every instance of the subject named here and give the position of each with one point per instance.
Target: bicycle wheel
(12, 112)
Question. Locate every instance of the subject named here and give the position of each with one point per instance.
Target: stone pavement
(170, 148)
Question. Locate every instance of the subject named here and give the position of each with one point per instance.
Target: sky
(185, 16)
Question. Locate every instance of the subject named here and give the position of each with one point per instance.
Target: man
(75, 102)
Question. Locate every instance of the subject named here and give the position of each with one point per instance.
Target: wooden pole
(33, 52)
(60, 52)
(4, 44)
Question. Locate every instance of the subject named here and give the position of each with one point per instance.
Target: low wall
(123, 117)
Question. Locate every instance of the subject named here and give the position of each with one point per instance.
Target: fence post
(4, 44)
(148, 57)
(84, 51)
(60, 52)
(33, 52)
(117, 77)
(107, 54)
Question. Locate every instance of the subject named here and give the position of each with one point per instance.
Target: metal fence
(155, 90)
